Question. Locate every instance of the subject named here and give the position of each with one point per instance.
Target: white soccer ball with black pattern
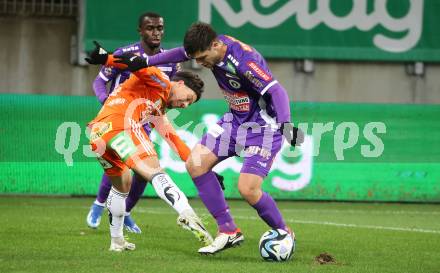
(276, 245)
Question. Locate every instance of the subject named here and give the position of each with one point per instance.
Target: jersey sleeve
(252, 69)
(169, 134)
(110, 72)
(174, 55)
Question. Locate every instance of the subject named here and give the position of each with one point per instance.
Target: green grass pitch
(50, 235)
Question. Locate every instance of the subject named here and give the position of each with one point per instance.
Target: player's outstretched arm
(133, 62)
(174, 55)
(167, 131)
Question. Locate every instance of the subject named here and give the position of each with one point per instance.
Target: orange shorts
(118, 148)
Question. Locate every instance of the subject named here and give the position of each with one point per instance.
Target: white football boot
(188, 220)
(222, 242)
(120, 244)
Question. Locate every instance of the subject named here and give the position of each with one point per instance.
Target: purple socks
(104, 189)
(212, 196)
(268, 211)
(137, 189)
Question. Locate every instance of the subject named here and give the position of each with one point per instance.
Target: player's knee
(193, 169)
(189, 167)
(247, 192)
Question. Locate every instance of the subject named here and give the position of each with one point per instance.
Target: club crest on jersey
(108, 71)
(233, 81)
(259, 71)
(238, 101)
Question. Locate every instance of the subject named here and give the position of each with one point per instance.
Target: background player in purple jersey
(151, 31)
(259, 116)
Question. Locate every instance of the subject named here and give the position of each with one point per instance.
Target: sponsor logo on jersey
(256, 150)
(259, 71)
(238, 101)
(165, 68)
(99, 129)
(256, 82)
(116, 101)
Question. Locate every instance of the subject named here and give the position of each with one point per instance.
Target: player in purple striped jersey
(151, 31)
(259, 116)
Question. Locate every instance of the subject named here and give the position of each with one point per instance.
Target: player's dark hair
(148, 14)
(191, 80)
(198, 37)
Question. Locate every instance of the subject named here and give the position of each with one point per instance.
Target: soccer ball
(276, 245)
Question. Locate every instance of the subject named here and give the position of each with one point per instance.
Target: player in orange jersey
(116, 137)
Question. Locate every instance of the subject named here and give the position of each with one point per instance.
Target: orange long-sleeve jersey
(142, 98)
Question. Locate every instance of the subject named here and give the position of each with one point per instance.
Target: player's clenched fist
(98, 56)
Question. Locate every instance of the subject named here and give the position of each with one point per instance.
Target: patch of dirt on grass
(325, 258)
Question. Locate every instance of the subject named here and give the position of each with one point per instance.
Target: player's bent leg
(199, 166)
(171, 194)
(94, 216)
(116, 208)
(200, 161)
(168, 191)
(249, 186)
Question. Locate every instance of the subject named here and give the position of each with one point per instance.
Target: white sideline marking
(352, 211)
(324, 223)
